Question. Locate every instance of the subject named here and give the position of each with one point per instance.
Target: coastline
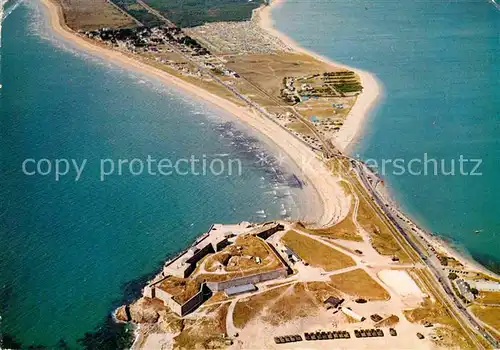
(438, 243)
(353, 128)
(366, 101)
(334, 203)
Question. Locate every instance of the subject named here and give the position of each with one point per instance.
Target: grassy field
(268, 70)
(382, 239)
(315, 253)
(283, 304)
(182, 289)
(232, 259)
(190, 13)
(296, 302)
(489, 315)
(93, 14)
(489, 298)
(322, 108)
(359, 284)
(429, 311)
(249, 308)
(449, 329)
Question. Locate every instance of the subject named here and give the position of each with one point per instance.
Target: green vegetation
(316, 253)
(192, 13)
(489, 315)
(488, 298)
(348, 87)
(139, 12)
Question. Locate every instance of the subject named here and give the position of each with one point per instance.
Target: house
(485, 285)
(246, 288)
(464, 289)
(290, 254)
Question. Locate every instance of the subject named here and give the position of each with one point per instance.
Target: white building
(485, 286)
(464, 289)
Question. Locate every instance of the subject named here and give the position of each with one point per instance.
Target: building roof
(487, 285)
(290, 252)
(334, 301)
(240, 289)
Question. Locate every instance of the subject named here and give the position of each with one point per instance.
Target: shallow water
(438, 62)
(74, 250)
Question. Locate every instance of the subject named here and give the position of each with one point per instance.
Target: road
(439, 283)
(156, 13)
(140, 24)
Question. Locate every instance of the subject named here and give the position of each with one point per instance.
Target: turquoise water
(72, 251)
(438, 62)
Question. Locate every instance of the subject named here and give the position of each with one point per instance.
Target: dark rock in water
(9, 342)
(122, 313)
(108, 336)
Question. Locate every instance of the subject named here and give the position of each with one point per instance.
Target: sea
(438, 63)
(75, 246)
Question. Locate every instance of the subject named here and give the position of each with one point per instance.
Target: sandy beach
(353, 128)
(372, 89)
(334, 205)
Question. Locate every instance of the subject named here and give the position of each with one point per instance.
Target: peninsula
(357, 274)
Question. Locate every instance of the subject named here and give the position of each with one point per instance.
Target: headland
(357, 256)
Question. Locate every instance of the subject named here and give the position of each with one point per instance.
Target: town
(162, 42)
(242, 275)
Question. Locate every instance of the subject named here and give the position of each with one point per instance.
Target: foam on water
(438, 63)
(69, 245)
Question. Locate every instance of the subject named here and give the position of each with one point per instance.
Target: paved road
(140, 24)
(441, 285)
(441, 282)
(156, 13)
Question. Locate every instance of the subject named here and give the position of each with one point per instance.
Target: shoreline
(366, 101)
(437, 242)
(333, 199)
(329, 193)
(356, 122)
(334, 202)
